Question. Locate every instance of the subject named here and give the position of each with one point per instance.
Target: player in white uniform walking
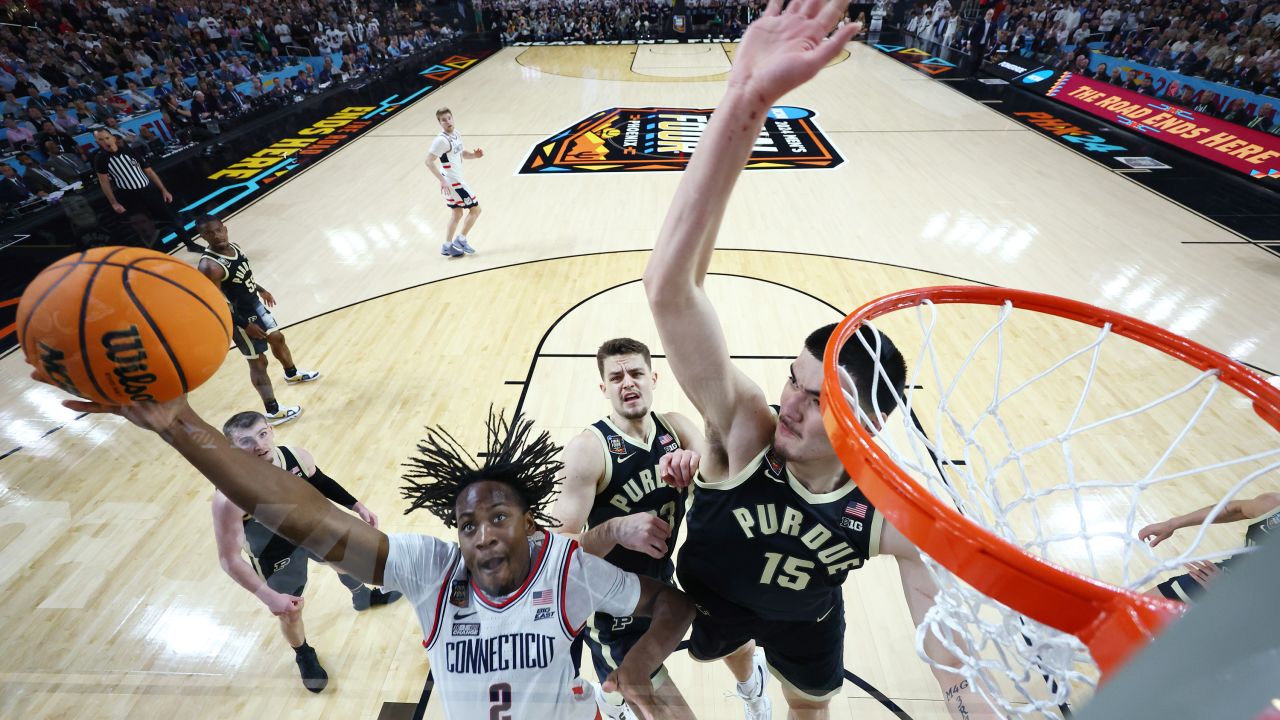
(500, 608)
(447, 148)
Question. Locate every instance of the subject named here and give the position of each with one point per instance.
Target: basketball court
(115, 606)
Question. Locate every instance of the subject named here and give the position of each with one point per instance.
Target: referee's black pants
(150, 202)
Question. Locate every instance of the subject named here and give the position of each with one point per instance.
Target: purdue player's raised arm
(780, 51)
(283, 502)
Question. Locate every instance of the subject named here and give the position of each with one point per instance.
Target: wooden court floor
(115, 606)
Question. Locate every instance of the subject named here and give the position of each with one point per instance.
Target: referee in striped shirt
(130, 184)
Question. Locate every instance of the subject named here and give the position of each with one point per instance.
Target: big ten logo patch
(668, 443)
(75, 558)
(651, 139)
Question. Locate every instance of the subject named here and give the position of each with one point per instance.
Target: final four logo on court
(663, 138)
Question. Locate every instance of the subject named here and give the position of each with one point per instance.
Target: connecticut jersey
(508, 656)
(448, 147)
(238, 285)
(762, 545)
(632, 484)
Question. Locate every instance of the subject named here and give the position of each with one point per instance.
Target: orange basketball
(121, 325)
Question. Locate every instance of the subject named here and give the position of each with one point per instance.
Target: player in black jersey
(776, 524)
(1263, 510)
(279, 571)
(255, 327)
(613, 497)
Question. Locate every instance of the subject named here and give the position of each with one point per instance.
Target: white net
(1065, 440)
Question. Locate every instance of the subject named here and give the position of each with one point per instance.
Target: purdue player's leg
(252, 343)
(730, 637)
(260, 316)
(283, 566)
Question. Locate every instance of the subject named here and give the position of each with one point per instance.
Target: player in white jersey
(447, 148)
(499, 608)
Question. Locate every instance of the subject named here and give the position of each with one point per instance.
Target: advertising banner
(1253, 153)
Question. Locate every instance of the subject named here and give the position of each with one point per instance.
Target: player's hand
(164, 195)
(1155, 533)
(118, 208)
(444, 187)
(642, 532)
(636, 688)
(783, 49)
(366, 514)
(255, 332)
(267, 297)
(156, 417)
(479, 153)
(280, 604)
(677, 469)
(1203, 571)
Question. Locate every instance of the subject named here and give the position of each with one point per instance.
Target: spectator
(12, 107)
(1262, 121)
(1206, 104)
(12, 189)
(76, 91)
(232, 100)
(66, 123)
(18, 136)
(38, 179)
(1237, 112)
(69, 167)
(202, 108)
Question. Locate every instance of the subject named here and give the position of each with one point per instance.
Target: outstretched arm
(780, 51)
(670, 614)
(276, 498)
(1234, 511)
(961, 700)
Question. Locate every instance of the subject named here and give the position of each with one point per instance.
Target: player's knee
(475, 210)
(275, 338)
(799, 702)
(258, 364)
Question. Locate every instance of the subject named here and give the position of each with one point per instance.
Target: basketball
(122, 325)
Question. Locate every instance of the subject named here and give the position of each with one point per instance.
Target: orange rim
(1112, 622)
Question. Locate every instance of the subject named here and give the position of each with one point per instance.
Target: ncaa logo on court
(1037, 76)
(656, 139)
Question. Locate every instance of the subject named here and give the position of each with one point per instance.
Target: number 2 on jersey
(500, 696)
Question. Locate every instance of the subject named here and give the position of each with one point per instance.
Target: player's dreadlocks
(445, 469)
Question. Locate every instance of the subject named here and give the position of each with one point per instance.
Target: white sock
(751, 688)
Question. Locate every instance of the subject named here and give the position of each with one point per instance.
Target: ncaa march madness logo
(655, 139)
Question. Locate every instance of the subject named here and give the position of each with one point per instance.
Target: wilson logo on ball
(125, 351)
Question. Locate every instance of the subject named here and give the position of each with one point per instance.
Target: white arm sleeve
(415, 563)
(598, 586)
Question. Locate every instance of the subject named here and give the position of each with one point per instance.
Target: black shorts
(257, 314)
(1185, 587)
(279, 562)
(805, 655)
(610, 639)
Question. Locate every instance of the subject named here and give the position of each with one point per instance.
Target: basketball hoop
(1002, 592)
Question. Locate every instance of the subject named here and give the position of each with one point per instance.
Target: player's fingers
(88, 407)
(610, 683)
(660, 525)
(809, 8)
(831, 12)
(774, 8)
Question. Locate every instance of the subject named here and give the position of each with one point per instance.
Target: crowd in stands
(615, 20)
(71, 66)
(1230, 42)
